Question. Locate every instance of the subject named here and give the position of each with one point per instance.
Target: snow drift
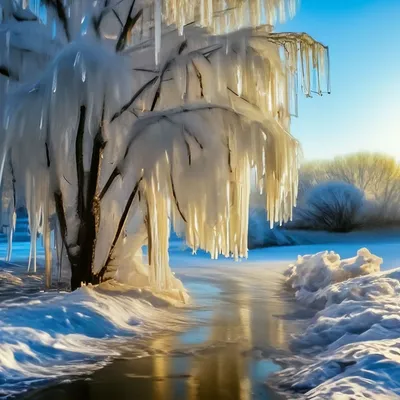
(314, 272)
(351, 349)
(51, 336)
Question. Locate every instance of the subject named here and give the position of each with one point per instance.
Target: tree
(373, 173)
(330, 206)
(376, 175)
(120, 116)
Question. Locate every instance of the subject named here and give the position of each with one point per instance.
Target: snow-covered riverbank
(351, 348)
(47, 336)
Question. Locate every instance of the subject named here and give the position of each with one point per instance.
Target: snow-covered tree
(121, 117)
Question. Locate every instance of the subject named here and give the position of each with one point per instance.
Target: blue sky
(363, 111)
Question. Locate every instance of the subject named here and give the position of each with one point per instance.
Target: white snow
(351, 349)
(352, 345)
(51, 335)
(314, 272)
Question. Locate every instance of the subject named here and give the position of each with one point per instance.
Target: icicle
(213, 150)
(210, 12)
(54, 84)
(202, 13)
(58, 244)
(157, 28)
(158, 231)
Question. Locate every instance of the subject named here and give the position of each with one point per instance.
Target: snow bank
(351, 349)
(49, 335)
(313, 272)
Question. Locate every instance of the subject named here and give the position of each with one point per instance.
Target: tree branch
(79, 162)
(13, 181)
(120, 227)
(134, 98)
(7, 73)
(61, 14)
(181, 47)
(178, 207)
(116, 172)
(127, 28)
(59, 203)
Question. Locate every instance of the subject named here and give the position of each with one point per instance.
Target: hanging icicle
(164, 129)
(157, 29)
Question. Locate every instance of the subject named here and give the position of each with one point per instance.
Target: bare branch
(118, 18)
(178, 207)
(7, 73)
(61, 14)
(134, 98)
(127, 28)
(13, 180)
(120, 227)
(116, 172)
(79, 162)
(167, 65)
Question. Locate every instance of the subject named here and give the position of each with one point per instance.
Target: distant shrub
(376, 175)
(356, 191)
(330, 206)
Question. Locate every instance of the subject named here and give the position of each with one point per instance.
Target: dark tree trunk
(81, 254)
(82, 270)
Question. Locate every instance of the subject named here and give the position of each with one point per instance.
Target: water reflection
(226, 358)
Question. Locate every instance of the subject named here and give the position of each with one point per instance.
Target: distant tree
(377, 175)
(311, 173)
(374, 173)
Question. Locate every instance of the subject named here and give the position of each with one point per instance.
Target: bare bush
(376, 175)
(331, 206)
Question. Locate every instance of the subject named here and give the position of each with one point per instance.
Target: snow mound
(364, 370)
(351, 348)
(54, 335)
(313, 272)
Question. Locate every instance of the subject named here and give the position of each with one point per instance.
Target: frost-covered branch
(121, 225)
(79, 162)
(130, 108)
(127, 27)
(58, 6)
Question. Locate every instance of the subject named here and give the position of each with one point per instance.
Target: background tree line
(358, 191)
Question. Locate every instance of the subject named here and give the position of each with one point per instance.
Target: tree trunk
(82, 268)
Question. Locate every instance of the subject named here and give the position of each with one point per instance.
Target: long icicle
(157, 29)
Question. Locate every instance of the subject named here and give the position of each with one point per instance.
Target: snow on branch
(105, 133)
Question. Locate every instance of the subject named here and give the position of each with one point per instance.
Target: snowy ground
(351, 348)
(45, 336)
(351, 345)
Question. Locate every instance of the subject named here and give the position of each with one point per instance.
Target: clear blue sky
(363, 111)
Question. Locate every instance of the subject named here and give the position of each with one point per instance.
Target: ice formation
(351, 348)
(152, 111)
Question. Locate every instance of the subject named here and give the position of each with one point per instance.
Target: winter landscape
(169, 230)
